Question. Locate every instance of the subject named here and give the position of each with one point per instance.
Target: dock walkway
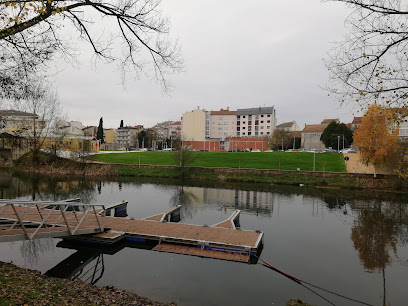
(77, 223)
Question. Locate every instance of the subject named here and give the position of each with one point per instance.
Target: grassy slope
(277, 160)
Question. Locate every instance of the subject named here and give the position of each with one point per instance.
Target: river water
(352, 243)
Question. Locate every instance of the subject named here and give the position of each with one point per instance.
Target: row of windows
(250, 128)
(250, 122)
(256, 116)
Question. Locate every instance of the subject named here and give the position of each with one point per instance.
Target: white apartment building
(127, 136)
(254, 122)
(222, 124)
(195, 125)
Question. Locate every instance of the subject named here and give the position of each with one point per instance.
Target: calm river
(355, 244)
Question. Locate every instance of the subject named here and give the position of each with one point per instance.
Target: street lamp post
(338, 143)
(314, 160)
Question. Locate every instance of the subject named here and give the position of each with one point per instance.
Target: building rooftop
(314, 128)
(255, 111)
(15, 113)
(223, 112)
(285, 124)
(357, 120)
(328, 121)
(176, 123)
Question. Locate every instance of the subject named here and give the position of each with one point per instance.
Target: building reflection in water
(256, 202)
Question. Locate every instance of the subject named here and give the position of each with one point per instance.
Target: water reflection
(302, 232)
(32, 250)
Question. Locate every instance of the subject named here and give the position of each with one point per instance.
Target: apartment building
(175, 130)
(222, 124)
(195, 125)
(127, 136)
(255, 122)
(167, 130)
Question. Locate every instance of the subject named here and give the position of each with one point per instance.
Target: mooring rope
(302, 283)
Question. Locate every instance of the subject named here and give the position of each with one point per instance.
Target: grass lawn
(332, 162)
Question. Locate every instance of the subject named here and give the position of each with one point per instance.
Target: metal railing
(21, 219)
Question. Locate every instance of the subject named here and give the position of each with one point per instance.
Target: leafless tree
(42, 102)
(32, 31)
(370, 65)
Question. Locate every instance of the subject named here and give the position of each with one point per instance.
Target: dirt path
(354, 165)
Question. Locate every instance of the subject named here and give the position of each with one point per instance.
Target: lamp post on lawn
(338, 143)
(314, 160)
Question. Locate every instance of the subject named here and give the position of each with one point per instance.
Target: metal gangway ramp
(27, 220)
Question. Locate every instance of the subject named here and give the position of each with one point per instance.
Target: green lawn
(332, 162)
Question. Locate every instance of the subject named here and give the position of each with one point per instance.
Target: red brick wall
(211, 146)
(249, 143)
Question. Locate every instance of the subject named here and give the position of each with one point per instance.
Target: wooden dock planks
(195, 251)
(184, 231)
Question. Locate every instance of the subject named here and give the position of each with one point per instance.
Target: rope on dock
(303, 283)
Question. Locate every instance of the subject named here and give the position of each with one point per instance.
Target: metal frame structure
(23, 219)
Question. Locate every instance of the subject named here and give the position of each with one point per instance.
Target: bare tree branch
(30, 35)
(370, 64)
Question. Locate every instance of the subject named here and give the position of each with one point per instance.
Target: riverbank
(278, 177)
(68, 168)
(20, 286)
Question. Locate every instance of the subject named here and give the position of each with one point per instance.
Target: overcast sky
(237, 54)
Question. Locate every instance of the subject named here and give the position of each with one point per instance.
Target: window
(256, 133)
(249, 133)
(249, 128)
(262, 121)
(269, 115)
(256, 122)
(243, 122)
(261, 133)
(262, 127)
(249, 122)
(238, 134)
(256, 128)
(257, 117)
(237, 117)
(268, 127)
(243, 116)
(243, 134)
(269, 121)
(268, 133)
(261, 116)
(238, 128)
(238, 122)
(243, 127)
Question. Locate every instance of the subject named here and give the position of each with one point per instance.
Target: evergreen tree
(121, 124)
(331, 133)
(99, 132)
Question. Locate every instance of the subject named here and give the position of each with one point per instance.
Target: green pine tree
(99, 132)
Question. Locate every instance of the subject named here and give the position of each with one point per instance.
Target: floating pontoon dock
(89, 224)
